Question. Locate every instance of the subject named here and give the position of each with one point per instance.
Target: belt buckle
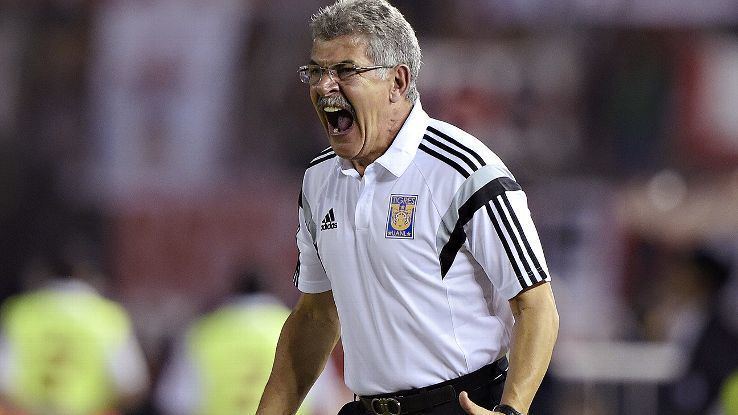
(386, 406)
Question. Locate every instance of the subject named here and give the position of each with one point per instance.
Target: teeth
(331, 109)
(335, 130)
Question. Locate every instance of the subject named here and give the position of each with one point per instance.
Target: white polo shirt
(422, 254)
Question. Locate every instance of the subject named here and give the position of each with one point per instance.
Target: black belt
(414, 400)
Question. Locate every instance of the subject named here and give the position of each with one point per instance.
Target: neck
(397, 120)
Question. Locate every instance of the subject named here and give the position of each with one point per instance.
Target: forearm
(534, 334)
(304, 346)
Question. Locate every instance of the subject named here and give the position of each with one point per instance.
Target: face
(359, 119)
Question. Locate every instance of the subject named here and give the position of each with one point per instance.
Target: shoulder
(321, 158)
(113, 314)
(22, 305)
(459, 150)
(456, 165)
(319, 169)
(321, 164)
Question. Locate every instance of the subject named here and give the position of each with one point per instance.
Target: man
(66, 349)
(222, 363)
(416, 244)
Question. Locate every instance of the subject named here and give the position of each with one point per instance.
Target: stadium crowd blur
(161, 144)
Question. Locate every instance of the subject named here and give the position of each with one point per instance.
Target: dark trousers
(486, 395)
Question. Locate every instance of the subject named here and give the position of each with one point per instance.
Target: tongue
(344, 121)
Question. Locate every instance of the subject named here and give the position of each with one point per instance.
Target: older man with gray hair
(416, 245)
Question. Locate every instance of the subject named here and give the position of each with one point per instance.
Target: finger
(469, 406)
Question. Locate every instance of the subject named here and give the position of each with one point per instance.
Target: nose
(326, 84)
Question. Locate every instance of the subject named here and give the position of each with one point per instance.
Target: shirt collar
(71, 285)
(402, 151)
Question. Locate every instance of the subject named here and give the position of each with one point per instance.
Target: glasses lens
(315, 72)
(344, 70)
(310, 74)
(302, 73)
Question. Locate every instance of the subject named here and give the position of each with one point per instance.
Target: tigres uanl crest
(401, 216)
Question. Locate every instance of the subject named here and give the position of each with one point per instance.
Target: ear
(401, 82)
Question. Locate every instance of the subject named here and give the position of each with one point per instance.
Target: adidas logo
(328, 222)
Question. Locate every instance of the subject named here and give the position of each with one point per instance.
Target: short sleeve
(489, 215)
(310, 276)
(503, 239)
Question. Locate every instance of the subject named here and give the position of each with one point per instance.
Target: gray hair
(390, 40)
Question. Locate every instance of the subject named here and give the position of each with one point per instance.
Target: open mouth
(339, 119)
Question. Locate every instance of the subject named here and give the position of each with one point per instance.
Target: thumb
(470, 407)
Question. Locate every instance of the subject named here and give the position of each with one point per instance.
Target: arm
(127, 367)
(306, 341)
(534, 335)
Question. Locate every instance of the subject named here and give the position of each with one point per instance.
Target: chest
(378, 218)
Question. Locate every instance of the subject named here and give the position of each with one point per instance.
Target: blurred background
(157, 146)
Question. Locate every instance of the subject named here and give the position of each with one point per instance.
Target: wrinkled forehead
(346, 48)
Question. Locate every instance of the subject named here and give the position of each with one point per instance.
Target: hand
(472, 408)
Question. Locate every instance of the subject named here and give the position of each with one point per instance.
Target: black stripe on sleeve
(528, 248)
(317, 253)
(480, 198)
(444, 159)
(453, 151)
(299, 199)
(514, 240)
(296, 275)
(321, 159)
(505, 245)
(457, 143)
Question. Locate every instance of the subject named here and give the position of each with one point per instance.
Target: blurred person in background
(693, 315)
(43, 130)
(416, 244)
(678, 303)
(729, 395)
(222, 363)
(67, 350)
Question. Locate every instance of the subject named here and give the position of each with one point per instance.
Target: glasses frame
(333, 73)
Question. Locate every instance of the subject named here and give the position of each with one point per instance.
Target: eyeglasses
(312, 74)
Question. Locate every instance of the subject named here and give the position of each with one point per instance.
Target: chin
(343, 150)
(346, 146)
